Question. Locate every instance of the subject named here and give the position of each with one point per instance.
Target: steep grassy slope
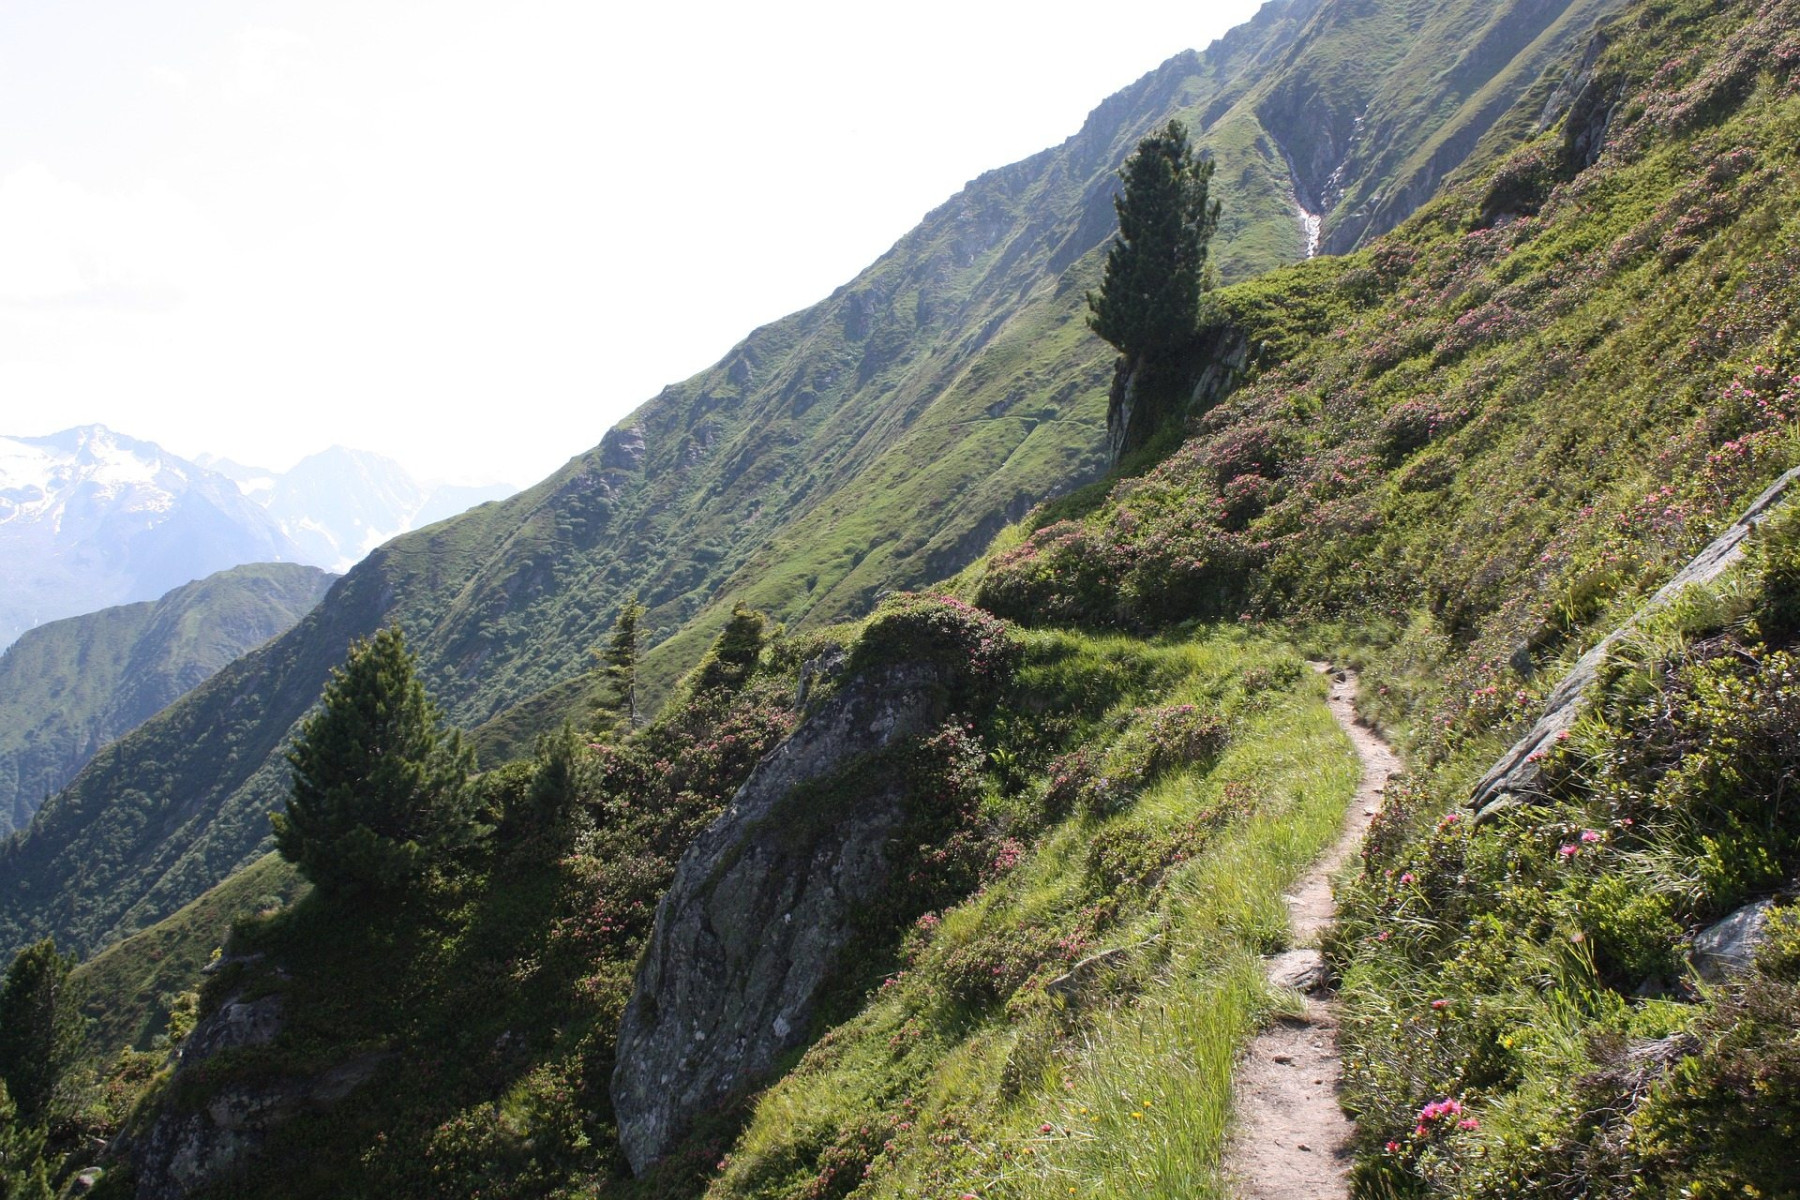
(493, 1000)
(1073, 1025)
(1461, 456)
(70, 687)
(872, 442)
(128, 990)
(1464, 456)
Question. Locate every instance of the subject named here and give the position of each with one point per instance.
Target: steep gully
(1292, 1140)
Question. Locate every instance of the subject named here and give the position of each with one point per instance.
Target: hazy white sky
(472, 236)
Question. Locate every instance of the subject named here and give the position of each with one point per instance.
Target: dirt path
(1292, 1140)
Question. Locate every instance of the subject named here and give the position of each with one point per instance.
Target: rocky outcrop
(189, 1147)
(752, 929)
(1728, 947)
(1586, 103)
(1514, 778)
(1144, 400)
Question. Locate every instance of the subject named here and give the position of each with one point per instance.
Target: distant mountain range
(91, 518)
(339, 504)
(69, 687)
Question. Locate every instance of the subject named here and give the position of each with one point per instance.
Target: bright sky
(473, 236)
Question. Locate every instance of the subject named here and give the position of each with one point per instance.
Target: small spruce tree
(40, 1029)
(735, 651)
(1148, 305)
(379, 793)
(620, 660)
(561, 777)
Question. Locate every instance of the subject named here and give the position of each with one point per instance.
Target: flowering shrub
(1151, 742)
(1412, 423)
(913, 628)
(1064, 574)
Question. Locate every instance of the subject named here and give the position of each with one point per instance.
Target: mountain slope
(70, 687)
(872, 442)
(1463, 456)
(90, 518)
(340, 503)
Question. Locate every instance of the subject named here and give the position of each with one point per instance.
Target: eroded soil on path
(1292, 1140)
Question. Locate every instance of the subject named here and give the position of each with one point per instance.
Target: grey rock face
(186, 1150)
(622, 449)
(760, 910)
(236, 1023)
(1589, 105)
(1515, 776)
(1220, 363)
(1729, 947)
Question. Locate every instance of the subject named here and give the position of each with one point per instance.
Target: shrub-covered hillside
(1508, 421)
(1458, 459)
(478, 1012)
(875, 441)
(1463, 457)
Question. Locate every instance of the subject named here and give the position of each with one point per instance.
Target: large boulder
(188, 1148)
(761, 909)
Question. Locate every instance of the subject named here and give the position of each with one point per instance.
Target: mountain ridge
(70, 687)
(91, 518)
(873, 442)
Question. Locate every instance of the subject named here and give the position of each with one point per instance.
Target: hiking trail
(1292, 1140)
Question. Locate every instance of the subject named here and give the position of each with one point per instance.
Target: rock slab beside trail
(1514, 778)
(751, 931)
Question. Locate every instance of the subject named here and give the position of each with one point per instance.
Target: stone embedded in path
(1302, 970)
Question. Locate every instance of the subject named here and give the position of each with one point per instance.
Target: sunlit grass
(1131, 1070)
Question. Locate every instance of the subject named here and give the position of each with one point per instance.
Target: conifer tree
(735, 651)
(23, 1172)
(620, 659)
(1148, 305)
(560, 778)
(40, 1030)
(379, 793)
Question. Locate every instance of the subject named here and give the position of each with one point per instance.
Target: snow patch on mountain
(90, 518)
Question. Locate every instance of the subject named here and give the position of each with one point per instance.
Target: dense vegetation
(875, 441)
(1146, 773)
(1533, 972)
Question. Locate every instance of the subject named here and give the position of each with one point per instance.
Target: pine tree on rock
(1149, 303)
(40, 1029)
(379, 794)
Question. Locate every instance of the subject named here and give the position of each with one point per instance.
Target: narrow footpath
(1292, 1141)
